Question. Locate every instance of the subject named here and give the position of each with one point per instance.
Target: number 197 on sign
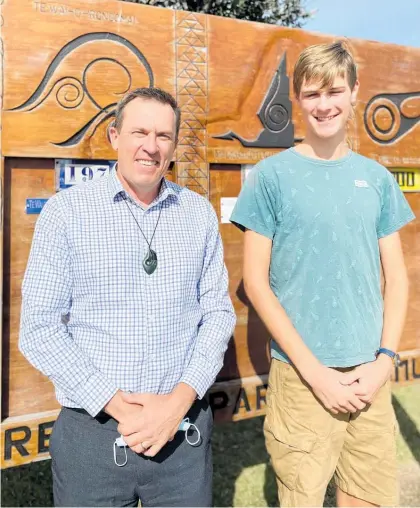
(76, 173)
(72, 171)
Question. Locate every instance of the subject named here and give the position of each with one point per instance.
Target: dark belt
(82, 411)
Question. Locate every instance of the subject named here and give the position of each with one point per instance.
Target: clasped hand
(150, 422)
(348, 392)
(367, 379)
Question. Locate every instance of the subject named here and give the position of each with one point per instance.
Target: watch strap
(392, 354)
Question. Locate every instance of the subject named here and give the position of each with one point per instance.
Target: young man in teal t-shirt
(319, 221)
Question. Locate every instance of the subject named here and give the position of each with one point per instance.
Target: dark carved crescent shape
(71, 46)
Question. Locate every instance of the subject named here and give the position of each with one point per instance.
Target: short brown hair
(155, 94)
(323, 63)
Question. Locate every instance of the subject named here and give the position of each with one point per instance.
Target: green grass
(242, 475)
(407, 408)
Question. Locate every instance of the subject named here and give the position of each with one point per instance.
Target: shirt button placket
(148, 217)
(142, 219)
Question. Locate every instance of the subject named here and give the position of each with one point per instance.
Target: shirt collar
(118, 192)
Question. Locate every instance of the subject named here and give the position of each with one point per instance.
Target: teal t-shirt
(325, 219)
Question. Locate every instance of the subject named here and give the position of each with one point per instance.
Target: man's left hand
(370, 377)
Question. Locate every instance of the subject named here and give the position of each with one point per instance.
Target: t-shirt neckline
(322, 162)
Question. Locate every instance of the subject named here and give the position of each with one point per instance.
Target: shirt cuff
(95, 394)
(199, 379)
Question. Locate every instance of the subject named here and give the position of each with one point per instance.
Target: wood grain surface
(76, 59)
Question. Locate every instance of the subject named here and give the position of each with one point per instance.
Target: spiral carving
(69, 92)
(277, 118)
(388, 117)
(373, 112)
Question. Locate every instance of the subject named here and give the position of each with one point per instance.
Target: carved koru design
(388, 117)
(70, 91)
(275, 115)
(191, 48)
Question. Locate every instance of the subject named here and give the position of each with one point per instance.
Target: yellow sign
(408, 178)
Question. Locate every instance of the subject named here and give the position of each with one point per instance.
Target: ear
(354, 92)
(113, 136)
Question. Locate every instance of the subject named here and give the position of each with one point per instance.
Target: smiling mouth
(325, 118)
(147, 162)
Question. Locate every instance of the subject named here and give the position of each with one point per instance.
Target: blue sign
(35, 205)
(70, 172)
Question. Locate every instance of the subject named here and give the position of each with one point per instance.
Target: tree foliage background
(278, 12)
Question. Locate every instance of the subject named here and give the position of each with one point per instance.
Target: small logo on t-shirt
(361, 183)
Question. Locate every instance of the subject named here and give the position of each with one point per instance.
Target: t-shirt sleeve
(256, 207)
(395, 210)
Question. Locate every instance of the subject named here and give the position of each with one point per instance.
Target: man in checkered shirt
(131, 346)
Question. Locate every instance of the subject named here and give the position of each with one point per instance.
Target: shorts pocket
(278, 370)
(287, 450)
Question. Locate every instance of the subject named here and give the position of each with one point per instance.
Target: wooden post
(192, 168)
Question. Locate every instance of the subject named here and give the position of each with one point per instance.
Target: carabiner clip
(186, 426)
(115, 454)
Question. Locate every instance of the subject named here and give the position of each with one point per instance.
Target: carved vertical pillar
(192, 168)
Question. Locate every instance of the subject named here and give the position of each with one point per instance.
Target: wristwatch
(392, 354)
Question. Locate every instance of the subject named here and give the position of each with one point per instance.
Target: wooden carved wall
(67, 63)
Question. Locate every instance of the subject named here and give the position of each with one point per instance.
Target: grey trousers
(85, 474)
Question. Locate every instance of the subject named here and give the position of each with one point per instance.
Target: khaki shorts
(309, 445)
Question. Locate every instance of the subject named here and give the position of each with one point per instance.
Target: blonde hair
(323, 63)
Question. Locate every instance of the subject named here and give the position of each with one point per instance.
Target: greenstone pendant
(150, 262)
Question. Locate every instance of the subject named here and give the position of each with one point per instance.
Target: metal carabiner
(115, 454)
(186, 426)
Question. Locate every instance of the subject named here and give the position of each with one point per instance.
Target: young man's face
(326, 110)
(145, 144)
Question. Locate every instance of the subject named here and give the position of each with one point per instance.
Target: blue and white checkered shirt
(94, 321)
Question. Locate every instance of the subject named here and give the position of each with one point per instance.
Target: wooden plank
(248, 353)
(25, 439)
(235, 91)
(410, 236)
(25, 389)
(28, 391)
(2, 193)
(74, 63)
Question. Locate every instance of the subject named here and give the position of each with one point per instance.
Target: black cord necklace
(150, 259)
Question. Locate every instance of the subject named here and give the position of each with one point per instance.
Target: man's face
(145, 144)
(326, 110)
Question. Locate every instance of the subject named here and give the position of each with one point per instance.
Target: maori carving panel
(63, 79)
(389, 117)
(66, 64)
(275, 115)
(192, 168)
(70, 91)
